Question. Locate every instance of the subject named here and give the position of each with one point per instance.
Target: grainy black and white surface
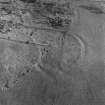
(52, 52)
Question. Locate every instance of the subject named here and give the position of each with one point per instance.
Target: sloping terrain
(32, 71)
